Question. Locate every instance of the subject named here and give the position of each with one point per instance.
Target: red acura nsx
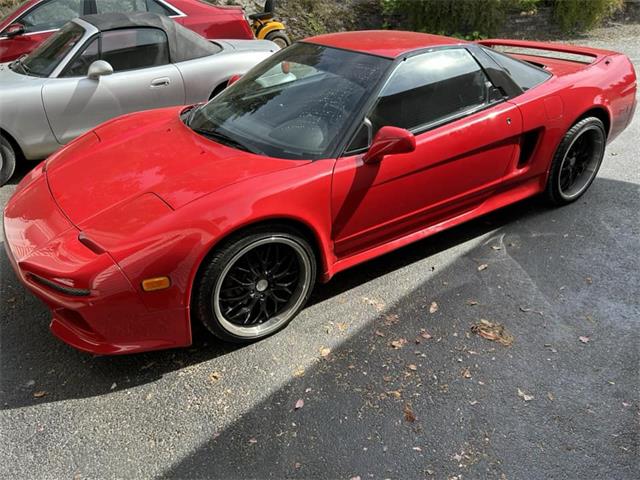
(333, 151)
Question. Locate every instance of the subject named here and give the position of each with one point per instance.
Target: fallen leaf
(395, 393)
(550, 396)
(297, 465)
(39, 394)
(379, 305)
(342, 326)
(524, 396)
(409, 416)
(299, 404)
(387, 378)
(589, 280)
(298, 372)
(492, 331)
(401, 342)
(412, 367)
(325, 351)
(417, 449)
(482, 267)
(426, 335)
(466, 373)
(379, 333)
(215, 376)
(253, 441)
(433, 308)
(391, 319)
(496, 247)
(472, 302)
(584, 339)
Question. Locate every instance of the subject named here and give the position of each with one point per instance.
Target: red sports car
(35, 20)
(333, 151)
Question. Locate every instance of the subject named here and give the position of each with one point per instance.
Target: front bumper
(94, 307)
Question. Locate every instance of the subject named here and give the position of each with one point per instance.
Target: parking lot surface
(382, 375)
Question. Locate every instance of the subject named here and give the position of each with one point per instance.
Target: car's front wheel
(7, 160)
(255, 284)
(576, 161)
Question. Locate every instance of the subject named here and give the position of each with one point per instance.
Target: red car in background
(35, 20)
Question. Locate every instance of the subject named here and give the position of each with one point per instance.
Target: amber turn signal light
(155, 283)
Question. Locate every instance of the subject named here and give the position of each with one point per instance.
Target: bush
(580, 15)
(476, 18)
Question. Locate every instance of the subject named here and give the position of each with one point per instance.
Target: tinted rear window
(525, 75)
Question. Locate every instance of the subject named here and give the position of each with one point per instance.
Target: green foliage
(479, 18)
(580, 15)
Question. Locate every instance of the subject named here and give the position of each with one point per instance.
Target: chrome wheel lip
(587, 176)
(273, 324)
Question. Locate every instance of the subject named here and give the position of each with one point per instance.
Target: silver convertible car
(101, 66)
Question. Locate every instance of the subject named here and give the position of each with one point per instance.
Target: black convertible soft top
(184, 44)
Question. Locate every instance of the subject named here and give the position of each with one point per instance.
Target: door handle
(160, 82)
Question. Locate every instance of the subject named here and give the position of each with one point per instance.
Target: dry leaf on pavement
(524, 396)
(39, 394)
(492, 331)
(482, 267)
(409, 416)
(325, 351)
(433, 308)
(299, 404)
(584, 339)
(401, 342)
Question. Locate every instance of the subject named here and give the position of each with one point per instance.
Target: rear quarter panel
(556, 105)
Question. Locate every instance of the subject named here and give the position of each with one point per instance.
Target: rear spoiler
(595, 53)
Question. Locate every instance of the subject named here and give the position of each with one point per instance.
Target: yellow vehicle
(266, 27)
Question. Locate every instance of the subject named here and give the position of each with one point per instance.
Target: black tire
(279, 38)
(576, 161)
(242, 281)
(7, 160)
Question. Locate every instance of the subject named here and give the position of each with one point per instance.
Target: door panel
(75, 105)
(454, 168)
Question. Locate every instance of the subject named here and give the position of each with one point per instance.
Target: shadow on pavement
(565, 263)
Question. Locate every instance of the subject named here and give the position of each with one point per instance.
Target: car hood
(146, 153)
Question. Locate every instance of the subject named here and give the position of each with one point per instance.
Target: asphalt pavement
(383, 375)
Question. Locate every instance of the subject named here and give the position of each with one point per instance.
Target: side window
(80, 66)
(430, 87)
(135, 48)
(51, 15)
(125, 6)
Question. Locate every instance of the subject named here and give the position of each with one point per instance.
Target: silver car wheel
(262, 287)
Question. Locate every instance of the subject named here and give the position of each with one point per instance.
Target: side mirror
(99, 68)
(389, 141)
(233, 79)
(14, 30)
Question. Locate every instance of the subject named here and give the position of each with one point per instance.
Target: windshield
(44, 59)
(295, 105)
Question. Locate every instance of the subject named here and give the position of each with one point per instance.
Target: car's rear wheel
(255, 284)
(7, 160)
(576, 161)
(279, 38)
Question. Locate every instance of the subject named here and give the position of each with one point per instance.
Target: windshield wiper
(225, 139)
